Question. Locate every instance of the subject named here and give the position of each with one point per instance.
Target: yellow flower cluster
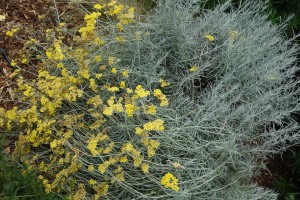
(136, 156)
(12, 32)
(130, 109)
(163, 99)
(80, 193)
(59, 88)
(101, 190)
(111, 161)
(88, 31)
(194, 68)
(151, 110)
(156, 125)
(141, 92)
(113, 106)
(151, 146)
(124, 14)
(75, 108)
(125, 73)
(209, 37)
(111, 61)
(55, 52)
(60, 177)
(170, 181)
(93, 85)
(164, 83)
(93, 143)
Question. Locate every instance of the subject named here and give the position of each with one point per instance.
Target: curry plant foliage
(181, 104)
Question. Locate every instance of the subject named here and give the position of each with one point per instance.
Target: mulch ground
(33, 17)
(26, 15)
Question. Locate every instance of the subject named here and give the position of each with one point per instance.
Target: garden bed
(35, 17)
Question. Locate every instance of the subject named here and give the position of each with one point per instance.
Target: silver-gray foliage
(220, 130)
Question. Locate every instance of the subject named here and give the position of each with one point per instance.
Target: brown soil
(33, 17)
(281, 166)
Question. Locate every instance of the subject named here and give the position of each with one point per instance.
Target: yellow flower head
(156, 125)
(24, 60)
(123, 159)
(99, 6)
(111, 61)
(125, 73)
(170, 181)
(98, 58)
(114, 70)
(209, 37)
(12, 32)
(193, 68)
(113, 89)
(145, 168)
(141, 92)
(98, 76)
(151, 110)
(102, 168)
(92, 182)
(91, 168)
(102, 67)
(13, 63)
(164, 83)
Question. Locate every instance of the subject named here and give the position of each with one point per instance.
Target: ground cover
(192, 83)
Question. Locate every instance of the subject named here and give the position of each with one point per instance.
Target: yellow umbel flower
(93, 143)
(193, 68)
(12, 32)
(99, 6)
(95, 101)
(98, 76)
(151, 110)
(80, 193)
(111, 60)
(92, 182)
(130, 109)
(102, 168)
(125, 73)
(170, 181)
(164, 83)
(55, 52)
(91, 168)
(113, 89)
(145, 168)
(122, 84)
(13, 63)
(102, 67)
(123, 159)
(141, 92)
(24, 60)
(139, 131)
(156, 125)
(209, 37)
(98, 58)
(101, 190)
(163, 99)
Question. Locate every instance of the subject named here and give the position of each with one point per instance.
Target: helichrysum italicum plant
(115, 112)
